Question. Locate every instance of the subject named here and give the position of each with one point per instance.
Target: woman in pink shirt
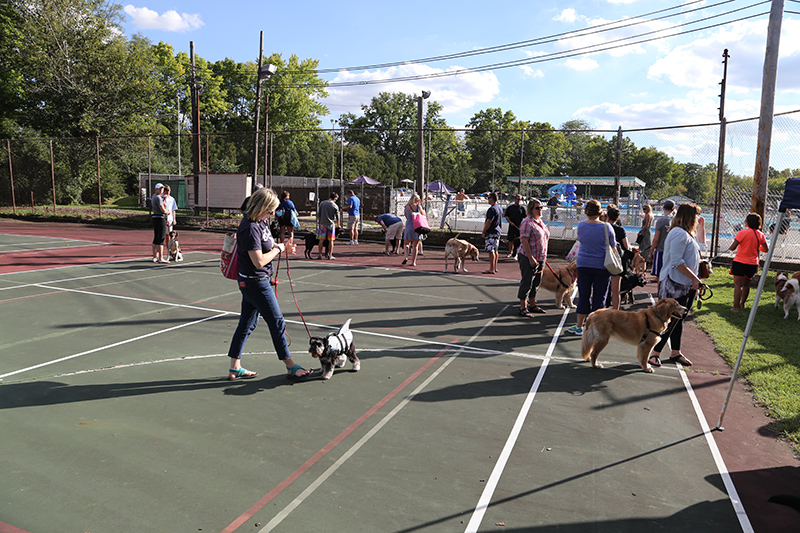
(747, 243)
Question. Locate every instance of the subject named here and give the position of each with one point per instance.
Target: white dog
(791, 297)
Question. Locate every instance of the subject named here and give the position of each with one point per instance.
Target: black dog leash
(557, 276)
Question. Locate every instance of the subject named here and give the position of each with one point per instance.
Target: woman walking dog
(256, 250)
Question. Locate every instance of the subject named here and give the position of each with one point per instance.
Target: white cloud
(532, 72)
(609, 35)
(147, 19)
(567, 15)
(454, 93)
(582, 64)
(621, 1)
(699, 63)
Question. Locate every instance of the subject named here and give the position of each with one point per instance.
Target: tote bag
(420, 223)
(228, 258)
(613, 262)
(573, 252)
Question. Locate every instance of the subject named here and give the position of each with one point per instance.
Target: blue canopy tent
(791, 200)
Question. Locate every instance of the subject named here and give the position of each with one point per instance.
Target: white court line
(37, 243)
(114, 345)
(502, 460)
(277, 519)
(733, 494)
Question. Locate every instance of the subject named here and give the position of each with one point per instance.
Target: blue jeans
(592, 288)
(258, 299)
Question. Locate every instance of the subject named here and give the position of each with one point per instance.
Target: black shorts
(159, 229)
(743, 270)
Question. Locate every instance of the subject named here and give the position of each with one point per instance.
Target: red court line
(326, 449)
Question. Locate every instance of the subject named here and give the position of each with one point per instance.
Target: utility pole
(257, 116)
(723, 124)
(768, 82)
(618, 170)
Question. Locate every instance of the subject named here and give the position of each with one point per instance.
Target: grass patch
(771, 361)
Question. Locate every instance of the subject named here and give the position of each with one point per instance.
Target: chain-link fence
(45, 173)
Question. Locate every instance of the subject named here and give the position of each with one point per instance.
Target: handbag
(639, 238)
(613, 262)
(420, 222)
(573, 252)
(705, 270)
(229, 258)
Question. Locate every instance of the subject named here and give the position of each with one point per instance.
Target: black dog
(312, 240)
(334, 350)
(627, 282)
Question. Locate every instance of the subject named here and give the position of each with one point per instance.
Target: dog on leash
(638, 263)
(627, 282)
(334, 350)
(459, 250)
(174, 247)
(642, 328)
(562, 283)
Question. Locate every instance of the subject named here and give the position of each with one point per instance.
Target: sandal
(680, 358)
(525, 313)
(536, 309)
(654, 360)
(294, 370)
(240, 373)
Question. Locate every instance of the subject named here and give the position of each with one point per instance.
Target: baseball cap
(159, 185)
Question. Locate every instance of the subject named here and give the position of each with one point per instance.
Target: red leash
(294, 296)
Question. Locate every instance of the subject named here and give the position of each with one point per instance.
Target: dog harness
(649, 330)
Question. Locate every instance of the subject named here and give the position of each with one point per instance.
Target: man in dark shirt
(492, 229)
(515, 214)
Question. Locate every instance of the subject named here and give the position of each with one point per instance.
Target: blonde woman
(414, 205)
(256, 250)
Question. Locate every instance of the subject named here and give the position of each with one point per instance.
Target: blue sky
(672, 79)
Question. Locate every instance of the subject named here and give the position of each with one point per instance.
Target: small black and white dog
(334, 349)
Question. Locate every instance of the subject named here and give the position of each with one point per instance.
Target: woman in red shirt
(747, 243)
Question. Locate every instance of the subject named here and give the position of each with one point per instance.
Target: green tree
(490, 143)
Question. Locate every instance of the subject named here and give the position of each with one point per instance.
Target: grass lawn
(771, 361)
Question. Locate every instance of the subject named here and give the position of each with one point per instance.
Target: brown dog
(638, 263)
(643, 328)
(459, 250)
(562, 283)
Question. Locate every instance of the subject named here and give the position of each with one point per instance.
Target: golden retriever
(643, 328)
(562, 283)
(459, 250)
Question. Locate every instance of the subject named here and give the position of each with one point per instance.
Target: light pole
(420, 159)
(333, 148)
(264, 73)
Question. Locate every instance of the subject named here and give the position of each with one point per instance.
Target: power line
(586, 50)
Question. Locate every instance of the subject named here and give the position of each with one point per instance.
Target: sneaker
(575, 330)
(356, 242)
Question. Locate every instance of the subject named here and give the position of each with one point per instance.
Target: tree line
(67, 71)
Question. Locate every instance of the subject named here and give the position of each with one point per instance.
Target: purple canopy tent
(440, 186)
(365, 180)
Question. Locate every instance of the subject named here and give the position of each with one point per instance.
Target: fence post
(11, 176)
(618, 171)
(207, 180)
(53, 175)
(99, 189)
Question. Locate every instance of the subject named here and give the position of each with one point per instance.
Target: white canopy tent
(791, 200)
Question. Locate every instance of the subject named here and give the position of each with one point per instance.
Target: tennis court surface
(116, 414)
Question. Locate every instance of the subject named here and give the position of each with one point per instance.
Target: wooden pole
(206, 179)
(618, 170)
(768, 82)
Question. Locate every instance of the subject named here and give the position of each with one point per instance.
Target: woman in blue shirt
(256, 249)
(593, 276)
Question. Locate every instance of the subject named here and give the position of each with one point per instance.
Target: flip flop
(293, 373)
(680, 359)
(654, 360)
(240, 373)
